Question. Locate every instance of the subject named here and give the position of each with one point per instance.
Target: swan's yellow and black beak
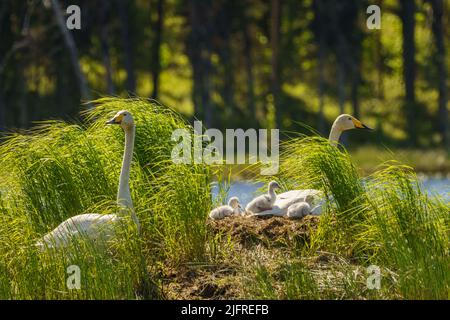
(116, 120)
(359, 125)
(112, 121)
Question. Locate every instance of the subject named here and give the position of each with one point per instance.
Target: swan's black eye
(349, 118)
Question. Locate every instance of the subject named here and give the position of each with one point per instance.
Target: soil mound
(265, 230)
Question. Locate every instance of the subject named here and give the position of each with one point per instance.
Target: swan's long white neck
(124, 194)
(335, 135)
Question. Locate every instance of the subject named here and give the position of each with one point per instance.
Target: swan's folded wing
(91, 225)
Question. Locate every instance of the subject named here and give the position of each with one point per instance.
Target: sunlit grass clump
(385, 219)
(58, 170)
(412, 232)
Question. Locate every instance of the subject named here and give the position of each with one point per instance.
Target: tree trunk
(199, 52)
(22, 99)
(321, 55)
(73, 52)
(341, 84)
(127, 47)
(3, 12)
(341, 56)
(2, 109)
(104, 9)
(438, 32)
(341, 48)
(156, 59)
(341, 79)
(379, 60)
(356, 80)
(275, 46)
(223, 23)
(408, 9)
(249, 72)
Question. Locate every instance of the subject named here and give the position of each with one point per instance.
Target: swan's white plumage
(92, 225)
(289, 198)
(100, 226)
(285, 200)
(265, 201)
(343, 123)
(232, 208)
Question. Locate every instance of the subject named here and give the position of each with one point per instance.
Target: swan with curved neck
(286, 199)
(126, 121)
(93, 225)
(342, 123)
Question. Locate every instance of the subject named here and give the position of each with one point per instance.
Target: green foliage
(412, 233)
(58, 170)
(297, 280)
(229, 68)
(385, 220)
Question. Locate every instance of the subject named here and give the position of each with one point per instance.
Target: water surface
(246, 190)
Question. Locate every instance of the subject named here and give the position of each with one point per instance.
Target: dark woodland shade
(232, 61)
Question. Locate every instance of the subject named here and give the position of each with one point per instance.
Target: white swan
(343, 123)
(312, 196)
(264, 202)
(233, 208)
(100, 226)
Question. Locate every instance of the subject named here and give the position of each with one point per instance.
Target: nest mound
(265, 230)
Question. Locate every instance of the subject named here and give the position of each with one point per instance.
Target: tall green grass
(312, 162)
(58, 170)
(386, 219)
(412, 232)
(296, 280)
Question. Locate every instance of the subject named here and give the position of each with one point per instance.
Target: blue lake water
(437, 186)
(246, 190)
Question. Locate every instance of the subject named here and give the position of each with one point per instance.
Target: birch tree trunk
(105, 46)
(275, 46)
(407, 13)
(156, 56)
(127, 47)
(249, 72)
(438, 32)
(73, 52)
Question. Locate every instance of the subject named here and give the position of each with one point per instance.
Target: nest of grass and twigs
(267, 230)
